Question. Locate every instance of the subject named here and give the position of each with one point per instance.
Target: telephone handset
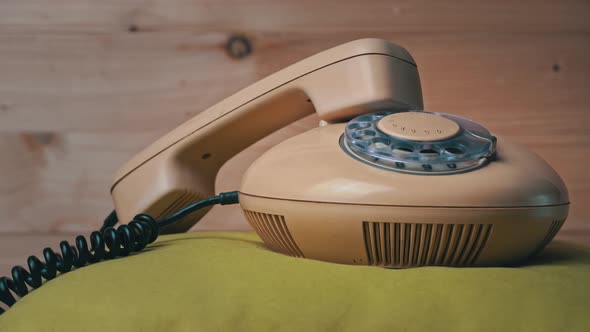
(348, 80)
(381, 182)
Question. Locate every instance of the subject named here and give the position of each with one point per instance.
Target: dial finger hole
(379, 143)
(381, 114)
(363, 134)
(454, 150)
(402, 150)
(358, 125)
(369, 118)
(360, 144)
(429, 152)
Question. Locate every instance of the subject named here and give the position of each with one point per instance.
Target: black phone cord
(108, 243)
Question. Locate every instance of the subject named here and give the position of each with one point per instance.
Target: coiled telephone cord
(108, 243)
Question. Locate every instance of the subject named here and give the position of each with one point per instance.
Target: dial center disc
(418, 126)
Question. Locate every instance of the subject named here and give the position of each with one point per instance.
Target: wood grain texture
(86, 84)
(296, 15)
(15, 248)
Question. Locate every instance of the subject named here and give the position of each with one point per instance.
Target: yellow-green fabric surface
(231, 282)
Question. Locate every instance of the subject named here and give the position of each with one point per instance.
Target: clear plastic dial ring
(418, 142)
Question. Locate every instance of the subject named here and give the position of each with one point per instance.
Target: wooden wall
(86, 84)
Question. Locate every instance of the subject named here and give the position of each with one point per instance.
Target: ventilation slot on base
(273, 230)
(553, 229)
(181, 200)
(407, 245)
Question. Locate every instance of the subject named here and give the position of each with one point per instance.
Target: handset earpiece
(355, 78)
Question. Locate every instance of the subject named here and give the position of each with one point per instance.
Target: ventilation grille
(407, 245)
(553, 229)
(183, 199)
(273, 230)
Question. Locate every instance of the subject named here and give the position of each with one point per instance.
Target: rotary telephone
(380, 181)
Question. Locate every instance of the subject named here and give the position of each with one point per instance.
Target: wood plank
(85, 84)
(15, 248)
(52, 83)
(75, 108)
(73, 83)
(294, 15)
(60, 183)
(581, 237)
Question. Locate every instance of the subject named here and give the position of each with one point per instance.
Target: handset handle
(340, 83)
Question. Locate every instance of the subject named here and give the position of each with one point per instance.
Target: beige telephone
(380, 182)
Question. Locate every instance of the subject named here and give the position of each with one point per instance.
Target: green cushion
(231, 282)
